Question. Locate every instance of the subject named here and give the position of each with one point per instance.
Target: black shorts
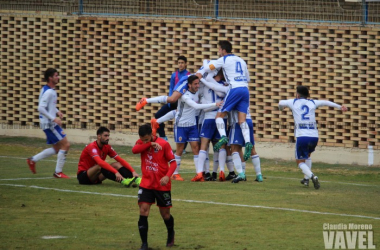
(84, 180)
(163, 198)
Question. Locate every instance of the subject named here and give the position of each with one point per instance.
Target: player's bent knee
(116, 165)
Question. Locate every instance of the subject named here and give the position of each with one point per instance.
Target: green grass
(207, 215)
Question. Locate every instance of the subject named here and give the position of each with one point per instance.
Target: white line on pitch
(19, 179)
(187, 172)
(202, 202)
(23, 158)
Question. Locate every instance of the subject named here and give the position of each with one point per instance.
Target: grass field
(277, 214)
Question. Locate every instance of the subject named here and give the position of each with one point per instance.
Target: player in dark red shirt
(92, 168)
(156, 155)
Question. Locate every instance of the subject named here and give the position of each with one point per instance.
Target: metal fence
(342, 11)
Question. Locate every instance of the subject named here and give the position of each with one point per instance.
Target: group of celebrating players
(218, 90)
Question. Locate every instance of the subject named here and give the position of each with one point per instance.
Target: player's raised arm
(285, 103)
(321, 103)
(140, 147)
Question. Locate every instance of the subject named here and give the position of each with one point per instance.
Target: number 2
(306, 112)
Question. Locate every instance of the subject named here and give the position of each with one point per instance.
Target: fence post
(365, 12)
(80, 7)
(216, 9)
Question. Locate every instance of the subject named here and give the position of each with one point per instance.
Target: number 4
(239, 68)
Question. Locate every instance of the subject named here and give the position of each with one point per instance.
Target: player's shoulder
(91, 148)
(47, 90)
(91, 145)
(161, 141)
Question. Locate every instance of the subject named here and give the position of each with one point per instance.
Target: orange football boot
(177, 177)
(154, 125)
(198, 177)
(141, 104)
(222, 177)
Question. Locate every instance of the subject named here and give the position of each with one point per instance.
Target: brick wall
(107, 65)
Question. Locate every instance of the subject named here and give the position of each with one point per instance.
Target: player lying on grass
(92, 168)
(306, 130)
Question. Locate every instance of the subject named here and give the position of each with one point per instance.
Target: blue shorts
(236, 99)
(236, 136)
(54, 135)
(186, 134)
(209, 129)
(305, 146)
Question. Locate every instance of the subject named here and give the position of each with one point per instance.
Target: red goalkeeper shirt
(155, 164)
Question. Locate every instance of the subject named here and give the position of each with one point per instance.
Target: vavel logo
(348, 236)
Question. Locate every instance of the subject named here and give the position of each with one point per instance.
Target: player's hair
(183, 58)
(226, 45)
(191, 79)
(303, 91)
(101, 130)
(49, 73)
(145, 129)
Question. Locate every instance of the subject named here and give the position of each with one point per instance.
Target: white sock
(45, 153)
(243, 166)
(169, 116)
(178, 161)
(215, 159)
(201, 160)
(230, 163)
(245, 131)
(206, 166)
(222, 158)
(305, 170)
(220, 126)
(196, 158)
(308, 163)
(158, 99)
(256, 163)
(237, 162)
(61, 159)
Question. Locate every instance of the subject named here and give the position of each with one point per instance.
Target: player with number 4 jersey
(237, 75)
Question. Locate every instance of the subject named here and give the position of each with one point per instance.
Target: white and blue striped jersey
(47, 107)
(207, 95)
(303, 110)
(188, 108)
(234, 69)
